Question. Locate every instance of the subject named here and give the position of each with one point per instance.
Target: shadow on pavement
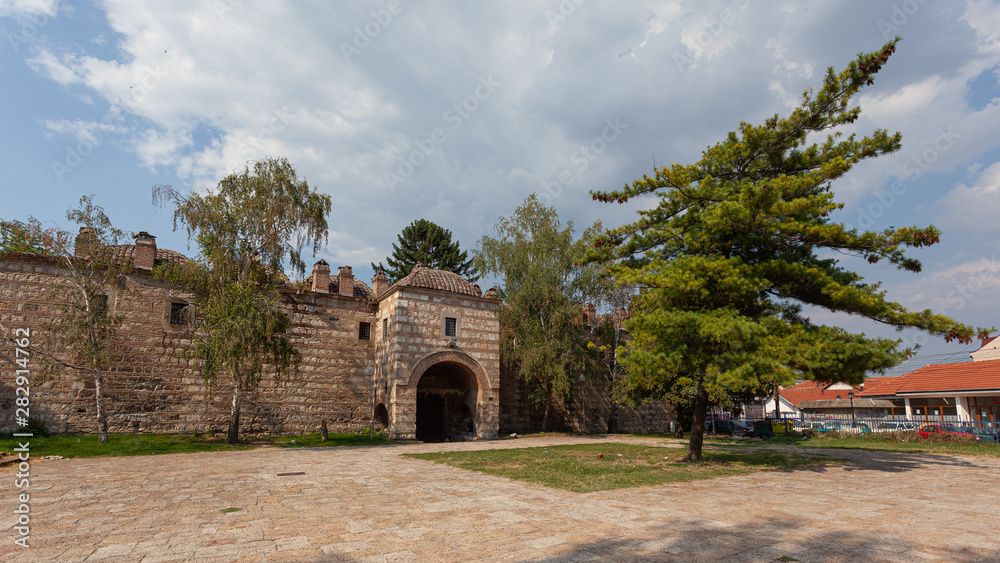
(774, 540)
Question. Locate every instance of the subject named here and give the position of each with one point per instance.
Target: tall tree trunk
(698, 422)
(102, 417)
(233, 435)
(613, 418)
(545, 418)
(777, 401)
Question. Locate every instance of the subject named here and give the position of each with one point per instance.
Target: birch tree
(245, 231)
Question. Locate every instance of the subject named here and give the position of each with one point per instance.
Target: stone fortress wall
(424, 353)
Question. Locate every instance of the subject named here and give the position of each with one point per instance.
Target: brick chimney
(84, 242)
(321, 277)
(144, 257)
(345, 281)
(380, 283)
(589, 314)
(621, 315)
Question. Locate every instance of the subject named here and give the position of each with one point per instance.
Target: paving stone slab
(372, 504)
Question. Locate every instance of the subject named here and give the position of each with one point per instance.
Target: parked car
(814, 425)
(983, 433)
(849, 427)
(926, 430)
(732, 427)
(895, 427)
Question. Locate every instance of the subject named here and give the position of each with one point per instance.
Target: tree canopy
(543, 287)
(741, 240)
(245, 230)
(427, 243)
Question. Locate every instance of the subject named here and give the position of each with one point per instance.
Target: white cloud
(83, 131)
(47, 63)
(973, 208)
(968, 291)
(206, 89)
(28, 7)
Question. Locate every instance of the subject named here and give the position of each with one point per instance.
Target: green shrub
(37, 427)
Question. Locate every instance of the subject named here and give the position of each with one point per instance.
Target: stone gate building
(419, 358)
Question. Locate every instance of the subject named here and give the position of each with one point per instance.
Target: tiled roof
(811, 391)
(881, 386)
(361, 289)
(846, 404)
(162, 254)
(440, 280)
(952, 377)
(987, 341)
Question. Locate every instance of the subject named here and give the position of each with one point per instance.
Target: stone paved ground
(370, 504)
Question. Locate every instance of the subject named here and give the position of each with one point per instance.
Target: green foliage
(427, 243)
(30, 237)
(244, 231)
(36, 427)
(83, 332)
(737, 244)
(543, 287)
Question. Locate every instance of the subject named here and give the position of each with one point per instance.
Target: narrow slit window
(450, 326)
(365, 331)
(385, 328)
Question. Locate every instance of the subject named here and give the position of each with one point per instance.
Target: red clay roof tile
(441, 280)
(812, 391)
(952, 377)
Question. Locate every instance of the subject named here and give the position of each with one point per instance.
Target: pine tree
(426, 243)
(740, 241)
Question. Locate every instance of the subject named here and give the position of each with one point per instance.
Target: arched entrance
(381, 417)
(446, 403)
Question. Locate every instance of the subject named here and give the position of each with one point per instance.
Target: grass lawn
(879, 442)
(146, 444)
(600, 467)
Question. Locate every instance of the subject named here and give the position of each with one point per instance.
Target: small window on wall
(180, 314)
(100, 305)
(450, 326)
(365, 331)
(385, 329)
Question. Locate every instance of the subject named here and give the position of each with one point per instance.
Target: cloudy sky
(455, 112)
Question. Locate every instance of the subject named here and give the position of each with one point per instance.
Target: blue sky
(455, 112)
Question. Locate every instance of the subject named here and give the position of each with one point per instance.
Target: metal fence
(985, 431)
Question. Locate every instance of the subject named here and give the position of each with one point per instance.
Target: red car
(926, 430)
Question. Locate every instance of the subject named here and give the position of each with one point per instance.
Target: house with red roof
(990, 350)
(814, 398)
(962, 391)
